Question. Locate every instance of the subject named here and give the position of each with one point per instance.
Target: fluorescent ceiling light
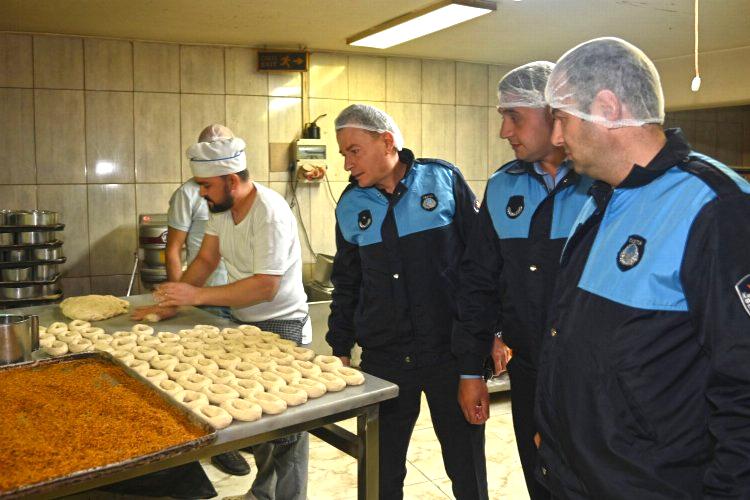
(421, 22)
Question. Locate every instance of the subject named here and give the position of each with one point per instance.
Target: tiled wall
(96, 129)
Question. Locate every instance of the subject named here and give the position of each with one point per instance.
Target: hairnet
(369, 118)
(214, 132)
(524, 86)
(607, 64)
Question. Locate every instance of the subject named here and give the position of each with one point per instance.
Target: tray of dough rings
(77, 417)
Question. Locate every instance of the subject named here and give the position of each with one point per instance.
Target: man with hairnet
(401, 227)
(644, 380)
(253, 229)
(511, 261)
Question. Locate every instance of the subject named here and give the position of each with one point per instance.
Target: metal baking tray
(20, 228)
(88, 474)
(30, 263)
(50, 281)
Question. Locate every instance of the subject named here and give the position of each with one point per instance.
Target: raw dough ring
(123, 356)
(191, 343)
(285, 345)
(232, 333)
(350, 375)
(221, 376)
(292, 395)
(125, 335)
(303, 354)
(165, 362)
(266, 348)
(247, 387)
(89, 332)
(249, 329)
(58, 348)
(269, 336)
(171, 348)
(328, 363)
(227, 360)
(192, 399)
(145, 353)
(181, 370)
(218, 393)
(333, 382)
(69, 337)
(156, 376)
(147, 341)
(242, 410)
(207, 328)
(57, 328)
(306, 368)
(189, 355)
(205, 366)
(189, 333)
(212, 351)
(78, 324)
(211, 337)
(141, 329)
(101, 337)
(171, 388)
(139, 366)
(313, 388)
(269, 381)
(271, 404)
(125, 344)
(282, 358)
(168, 337)
(103, 346)
(195, 382)
(264, 363)
(216, 416)
(81, 345)
(245, 370)
(289, 374)
(46, 339)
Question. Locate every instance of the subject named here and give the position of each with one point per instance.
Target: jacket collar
(675, 151)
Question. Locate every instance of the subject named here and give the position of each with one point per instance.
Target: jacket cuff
(340, 350)
(471, 365)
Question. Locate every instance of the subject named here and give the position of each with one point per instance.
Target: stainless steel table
(317, 416)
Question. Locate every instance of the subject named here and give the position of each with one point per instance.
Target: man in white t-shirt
(255, 232)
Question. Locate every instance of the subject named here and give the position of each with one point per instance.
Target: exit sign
(283, 61)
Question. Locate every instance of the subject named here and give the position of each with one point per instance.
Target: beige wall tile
(196, 113)
(202, 69)
(242, 75)
(328, 76)
(499, 151)
(366, 78)
(18, 197)
(438, 82)
(73, 287)
(403, 80)
(478, 188)
(301, 211)
(108, 64)
(495, 74)
(156, 67)
(158, 150)
(58, 62)
(471, 84)
(323, 217)
(471, 141)
(116, 285)
(408, 117)
(109, 137)
(71, 202)
(331, 107)
(112, 229)
(439, 132)
(285, 84)
(17, 164)
(60, 136)
(16, 62)
(153, 198)
(247, 116)
(729, 143)
(284, 126)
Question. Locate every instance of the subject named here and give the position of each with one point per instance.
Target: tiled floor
(333, 474)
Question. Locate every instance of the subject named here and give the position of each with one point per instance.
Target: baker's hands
(474, 400)
(500, 355)
(157, 311)
(345, 360)
(172, 294)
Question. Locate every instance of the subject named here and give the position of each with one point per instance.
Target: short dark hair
(244, 175)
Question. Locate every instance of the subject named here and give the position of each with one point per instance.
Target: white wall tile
(471, 84)
(242, 75)
(60, 150)
(202, 69)
(108, 64)
(158, 152)
(438, 82)
(403, 80)
(109, 137)
(471, 141)
(366, 78)
(328, 76)
(156, 67)
(439, 132)
(58, 62)
(17, 162)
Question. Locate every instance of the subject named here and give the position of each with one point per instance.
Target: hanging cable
(696, 83)
(295, 202)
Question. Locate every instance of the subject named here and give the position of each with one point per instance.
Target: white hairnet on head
(607, 64)
(215, 132)
(524, 86)
(370, 118)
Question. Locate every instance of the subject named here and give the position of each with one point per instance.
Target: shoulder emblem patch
(743, 291)
(364, 219)
(429, 202)
(631, 252)
(515, 206)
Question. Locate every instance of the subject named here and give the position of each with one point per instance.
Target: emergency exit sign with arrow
(283, 61)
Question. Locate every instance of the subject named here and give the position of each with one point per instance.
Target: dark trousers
(522, 392)
(462, 444)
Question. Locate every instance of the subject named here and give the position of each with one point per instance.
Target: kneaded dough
(93, 307)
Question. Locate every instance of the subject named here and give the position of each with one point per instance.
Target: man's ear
(607, 105)
(390, 146)
(233, 180)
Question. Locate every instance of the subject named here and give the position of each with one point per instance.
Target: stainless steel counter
(316, 415)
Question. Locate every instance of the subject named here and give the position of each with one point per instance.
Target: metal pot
(154, 258)
(6, 238)
(20, 292)
(19, 337)
(35, 237)
(45, 271)
(5, 218)
(16, 274)
(50, 289)
(15, 255)
(34, 218)
(49, 253)
(322, 269)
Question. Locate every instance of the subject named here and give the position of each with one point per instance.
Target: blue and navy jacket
(644, 380)
(395, 270)
(508, 271)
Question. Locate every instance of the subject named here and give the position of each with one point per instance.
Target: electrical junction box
(310, 160)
